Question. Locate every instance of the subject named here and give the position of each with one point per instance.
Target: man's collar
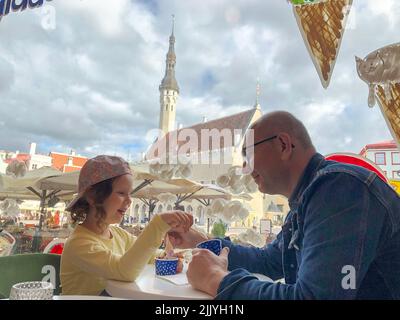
(308, 173)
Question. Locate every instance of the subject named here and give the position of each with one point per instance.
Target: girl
(97, 249)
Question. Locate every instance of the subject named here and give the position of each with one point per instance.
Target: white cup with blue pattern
(166, 267)
(214, 245)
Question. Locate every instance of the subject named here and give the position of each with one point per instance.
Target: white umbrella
(44, 184)
(151, 189)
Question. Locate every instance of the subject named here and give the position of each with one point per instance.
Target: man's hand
(206, 270)
(186, 240)
(178, 220)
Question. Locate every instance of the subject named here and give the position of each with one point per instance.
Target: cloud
(91, 83)
(6, 75)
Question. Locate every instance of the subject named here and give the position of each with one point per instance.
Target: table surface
(81, 297)
(149, 287)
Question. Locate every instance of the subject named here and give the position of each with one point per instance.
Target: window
(396, 174)
(380, 158)
(395, 157)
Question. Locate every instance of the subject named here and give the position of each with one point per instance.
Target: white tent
(44, 184)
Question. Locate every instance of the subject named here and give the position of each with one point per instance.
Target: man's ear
(286, 145)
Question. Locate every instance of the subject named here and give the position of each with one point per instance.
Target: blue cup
(214, 245)
(166, 267)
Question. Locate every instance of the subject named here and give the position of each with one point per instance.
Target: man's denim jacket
(340, 240)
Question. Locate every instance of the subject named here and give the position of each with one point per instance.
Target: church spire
(173, 24)
(169, 82)
(258, 89)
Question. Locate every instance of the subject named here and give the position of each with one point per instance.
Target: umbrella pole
(36, 236)
(152, 206)
(42, 206)
(206, 203)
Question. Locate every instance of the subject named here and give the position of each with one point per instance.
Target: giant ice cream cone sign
(381, 71)
(322, 24)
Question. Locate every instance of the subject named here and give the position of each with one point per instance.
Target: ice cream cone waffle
(322, 24)
(390, 106)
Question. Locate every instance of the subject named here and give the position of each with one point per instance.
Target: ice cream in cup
(166, 267)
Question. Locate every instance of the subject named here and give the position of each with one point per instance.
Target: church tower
(169, 89)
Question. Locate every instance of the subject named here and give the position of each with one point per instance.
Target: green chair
(29, 267)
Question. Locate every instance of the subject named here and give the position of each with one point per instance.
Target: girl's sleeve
(94, 258)
(131, 240)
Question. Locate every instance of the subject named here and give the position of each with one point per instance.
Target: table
(149, 287)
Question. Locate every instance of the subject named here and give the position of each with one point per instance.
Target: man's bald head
(282, 121)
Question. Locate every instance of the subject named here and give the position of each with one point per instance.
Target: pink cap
(98, 169)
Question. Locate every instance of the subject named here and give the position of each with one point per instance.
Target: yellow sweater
(88, 260)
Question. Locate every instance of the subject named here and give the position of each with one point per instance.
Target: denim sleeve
(267, 260)
(342, 227)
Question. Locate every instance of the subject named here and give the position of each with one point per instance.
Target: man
(340, 240)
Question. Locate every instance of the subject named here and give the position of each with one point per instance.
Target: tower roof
(169, 82)
(391, 144)
(258, 89)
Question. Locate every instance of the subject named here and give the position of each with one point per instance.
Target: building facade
(386, 155)
(32, 159)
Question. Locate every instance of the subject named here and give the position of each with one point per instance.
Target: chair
(55, 246)
(29, 267)
(7, 243)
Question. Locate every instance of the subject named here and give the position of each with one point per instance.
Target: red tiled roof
(68, 168)
(20, 157)
(380, 145)
(60, 160)
(229, 124)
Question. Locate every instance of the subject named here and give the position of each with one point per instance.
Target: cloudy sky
(84, 74)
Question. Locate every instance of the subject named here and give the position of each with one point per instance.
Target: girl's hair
(99, 193)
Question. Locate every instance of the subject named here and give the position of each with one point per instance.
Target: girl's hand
(178, 220)
(186, 240)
